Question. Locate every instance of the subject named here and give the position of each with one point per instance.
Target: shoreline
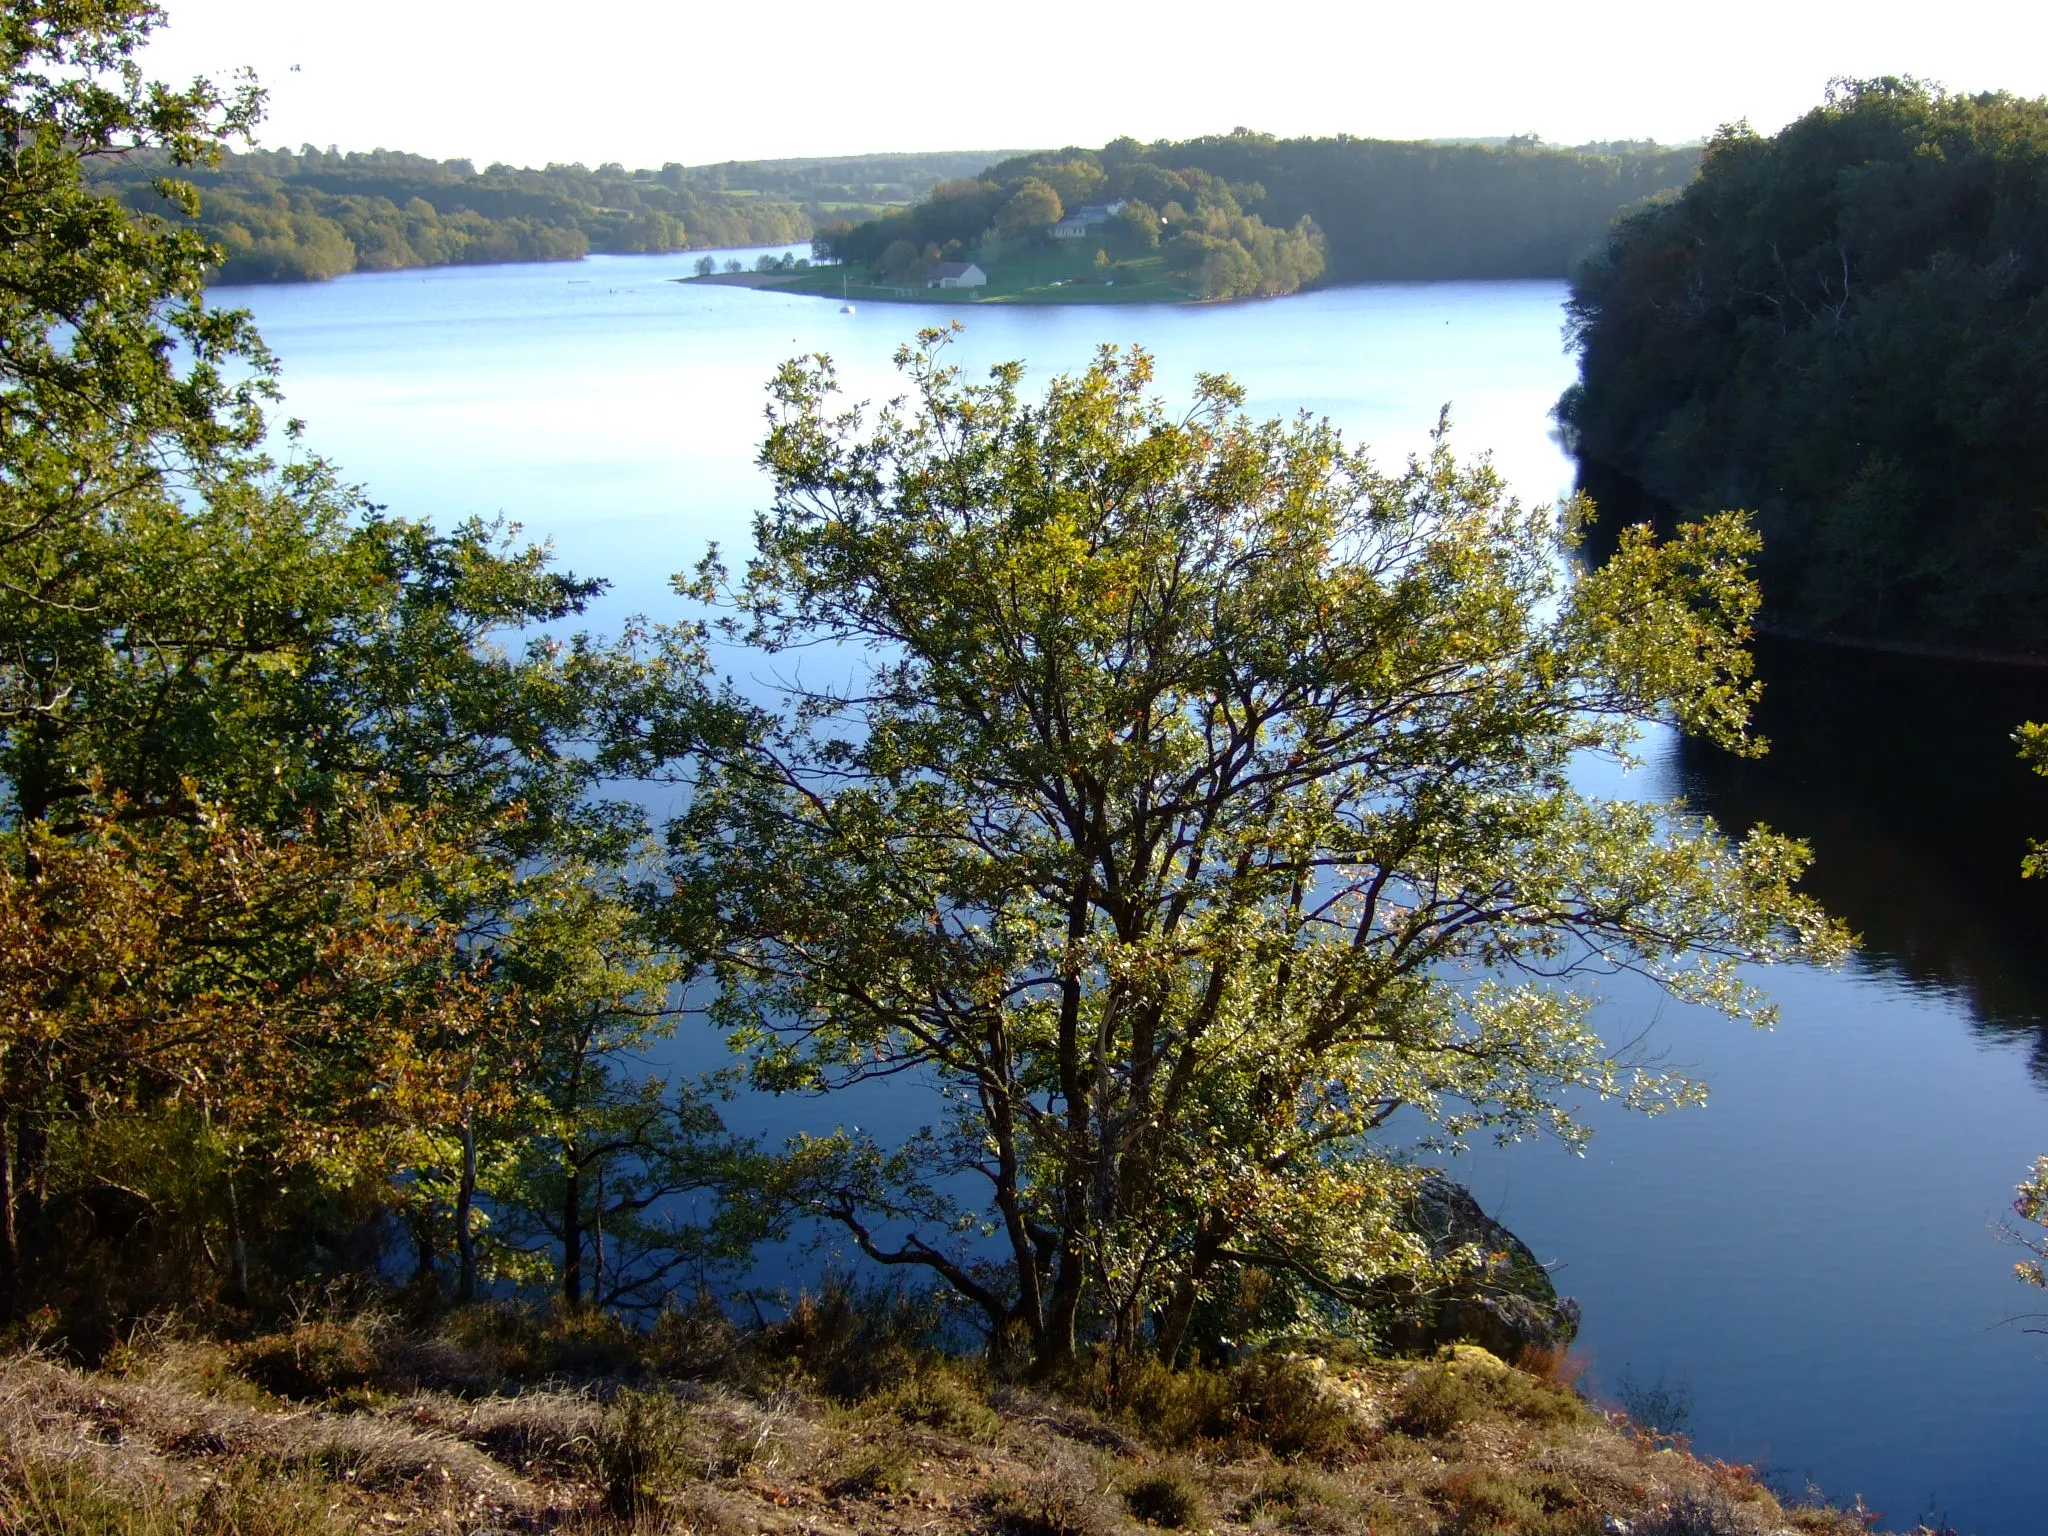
(1963, 654)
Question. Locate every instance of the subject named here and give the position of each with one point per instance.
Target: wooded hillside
(281, 216)
(1368, 210)
(1845, 328)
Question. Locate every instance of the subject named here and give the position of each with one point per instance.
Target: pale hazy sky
(647, 81)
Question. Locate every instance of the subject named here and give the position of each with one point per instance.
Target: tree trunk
(237, 1246)
(597, 1241)
(1172, 1326)
(27, 1178)
(10, 1248)
(572, 1231)
(1062, 1316)
(422, 1223)
(465, 1208)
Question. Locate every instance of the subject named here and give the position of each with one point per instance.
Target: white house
(956, 274)
(1085, 220)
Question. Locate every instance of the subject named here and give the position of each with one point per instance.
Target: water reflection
(1901, 772)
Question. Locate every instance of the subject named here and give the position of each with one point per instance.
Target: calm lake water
(1808, 1265)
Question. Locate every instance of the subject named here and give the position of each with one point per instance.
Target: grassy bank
(839, 1419)
(1064, 273)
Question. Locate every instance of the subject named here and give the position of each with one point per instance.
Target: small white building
(1086, 220)
(956, 274)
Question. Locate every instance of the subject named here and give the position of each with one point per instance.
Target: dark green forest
(282, 217)
(1843, 327)
(1246, 213)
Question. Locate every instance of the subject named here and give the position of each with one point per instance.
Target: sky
(644, 82)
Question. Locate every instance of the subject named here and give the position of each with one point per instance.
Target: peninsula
(1239, 215)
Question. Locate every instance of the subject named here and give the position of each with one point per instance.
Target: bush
(642, 1453)
(311, 1362)
(521, 1344)
(1170, 1497)
(1286, 1405)
(70, 1498)
(936, 1397)
(694, 1342)
(1442, 1397)
(1499, 1501)
(1710, 1512)
(873, 1469)
(1280, 1403)
(1062, 1499)
(1175, 1408)
(852, 1344)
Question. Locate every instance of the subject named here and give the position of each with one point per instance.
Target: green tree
(1204, 802)
(1033, 207)
(600, 1158)
(194, 634)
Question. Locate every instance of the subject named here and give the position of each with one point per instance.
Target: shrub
(1285, 1404)
(1489, 1500)
(1288, 1488)
(1176, 1408)
(872, 1469)
(312, 1361)
(642, 1452)
(1061, 1499)
(938, 1398)
(1434, 1404)
(1171, 1498)
(693, 1342)
(71, 1498)
(1710, 1512)
(1442, 1397)
(521, 1344)
(852, 1344)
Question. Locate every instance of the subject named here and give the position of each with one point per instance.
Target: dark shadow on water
(1901, 773)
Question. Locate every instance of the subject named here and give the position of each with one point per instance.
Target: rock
(1506, 1306)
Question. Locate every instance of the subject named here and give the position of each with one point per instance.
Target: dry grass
(834, 1425)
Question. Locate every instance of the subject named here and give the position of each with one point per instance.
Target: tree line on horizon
(284, 216)
(1246, 213)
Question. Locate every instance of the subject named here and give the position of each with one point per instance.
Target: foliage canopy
(1843, 326)
(290, 804)
(1201, 803)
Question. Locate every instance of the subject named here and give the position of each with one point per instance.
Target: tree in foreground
(282, 780)
(1199, 827)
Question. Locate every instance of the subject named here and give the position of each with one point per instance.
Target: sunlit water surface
(1807, 1265)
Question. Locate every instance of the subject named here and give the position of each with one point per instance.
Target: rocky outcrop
(1505, 1304)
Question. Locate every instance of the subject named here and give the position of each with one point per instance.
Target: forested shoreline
(1194, 827)
(1245, 213)
(284, 216)
(1844, 327)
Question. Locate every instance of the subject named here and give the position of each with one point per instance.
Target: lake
(1807, 1268)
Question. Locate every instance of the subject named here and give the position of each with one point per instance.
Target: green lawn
(1059, 274)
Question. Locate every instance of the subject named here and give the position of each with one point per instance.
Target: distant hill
(281, 216)
(1248, 213)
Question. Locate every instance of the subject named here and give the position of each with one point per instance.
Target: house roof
(953, 268)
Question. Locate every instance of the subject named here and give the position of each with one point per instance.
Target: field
(1065, 273)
